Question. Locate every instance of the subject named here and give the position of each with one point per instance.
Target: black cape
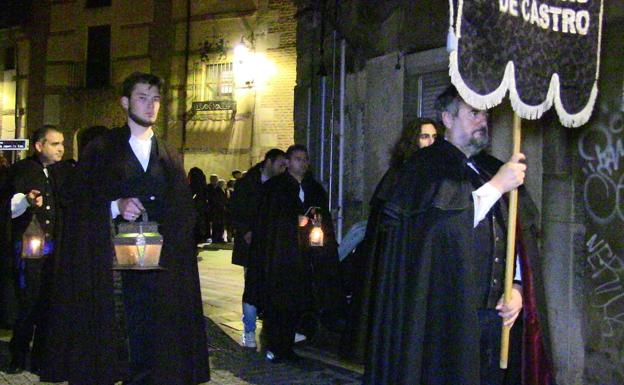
(423, 324)
(86, 345)
(22, 177)
(243, 208)
(293, 276)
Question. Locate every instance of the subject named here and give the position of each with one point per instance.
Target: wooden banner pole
(511, 243)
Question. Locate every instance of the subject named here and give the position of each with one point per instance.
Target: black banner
(544, 52)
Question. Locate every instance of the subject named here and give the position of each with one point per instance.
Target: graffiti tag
(602, 150)
(608, 279)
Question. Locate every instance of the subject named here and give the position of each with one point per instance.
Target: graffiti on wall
(601, 149)
(602, 152)
(607, 275)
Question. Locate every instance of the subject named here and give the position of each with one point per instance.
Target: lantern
(33, 240)
(138, 245)
(316, 234)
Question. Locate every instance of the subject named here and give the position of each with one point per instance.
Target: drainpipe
(331, 123)
(19, 130)
(322, 73)
(186, 72)
(308, 118)
(341, 141)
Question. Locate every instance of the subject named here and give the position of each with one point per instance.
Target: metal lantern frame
(33, 240)
(316, 237)
(138, 245)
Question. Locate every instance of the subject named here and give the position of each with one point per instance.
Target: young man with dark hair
(298, 278)
(121, 175)
(439, 266)
(35, 185)
(237, 174)
(244, 213)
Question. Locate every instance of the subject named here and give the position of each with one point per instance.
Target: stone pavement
(231, 364)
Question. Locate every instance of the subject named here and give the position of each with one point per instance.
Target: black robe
(423, 321)
(294, 276)
(86, 345)
(243, 208)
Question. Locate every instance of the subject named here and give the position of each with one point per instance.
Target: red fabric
(536, 368)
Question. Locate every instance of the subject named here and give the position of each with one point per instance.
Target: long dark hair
(408, 142)
(197, 180)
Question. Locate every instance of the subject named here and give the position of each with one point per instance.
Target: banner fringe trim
(525, 111)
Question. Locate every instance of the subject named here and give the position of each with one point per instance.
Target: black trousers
(491, 373)
(138, 287)
(279, 327)
(33, 303)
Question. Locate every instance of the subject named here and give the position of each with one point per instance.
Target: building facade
(229, 69)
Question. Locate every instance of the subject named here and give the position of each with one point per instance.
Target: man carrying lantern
(123, 174)
(35, 183)
(299, 269)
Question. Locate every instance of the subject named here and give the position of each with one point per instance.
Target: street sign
(14, 144)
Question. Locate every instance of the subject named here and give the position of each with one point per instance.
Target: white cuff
(114, 207)
(19, 205)
(518, 275)
(484, 198)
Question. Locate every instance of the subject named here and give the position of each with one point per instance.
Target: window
(430, 85)
(426, 77)
(215, 81)
(98, 3)
(9, 58)
(98, 57)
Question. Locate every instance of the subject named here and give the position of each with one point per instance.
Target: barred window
(214, 81)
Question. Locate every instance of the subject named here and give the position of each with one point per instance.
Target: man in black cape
(244, 211)
(437, 271)
(296, 278)
(121, 175)
(34, 185)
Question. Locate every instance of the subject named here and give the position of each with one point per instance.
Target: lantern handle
(310, 208)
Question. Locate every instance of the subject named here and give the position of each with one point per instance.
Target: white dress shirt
(19, 202)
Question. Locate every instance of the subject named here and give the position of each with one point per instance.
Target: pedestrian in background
(216, 212)
(197, 183)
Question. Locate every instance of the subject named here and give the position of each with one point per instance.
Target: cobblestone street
(230, 363)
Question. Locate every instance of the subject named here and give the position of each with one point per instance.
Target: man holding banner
(437, 307)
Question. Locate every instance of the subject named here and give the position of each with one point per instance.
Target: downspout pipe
(308, 118)
(322, 73)
(341, 141)
(184, 98)
(331, 124)
(322, 128)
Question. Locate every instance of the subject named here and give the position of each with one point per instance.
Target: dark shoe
(15, 368)
(291, 356)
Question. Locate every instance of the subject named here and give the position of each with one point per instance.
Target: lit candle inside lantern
(35, 244)
(316, 236)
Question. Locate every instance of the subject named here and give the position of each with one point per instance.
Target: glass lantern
(138, 245)
(316, 234)
(33, 240)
